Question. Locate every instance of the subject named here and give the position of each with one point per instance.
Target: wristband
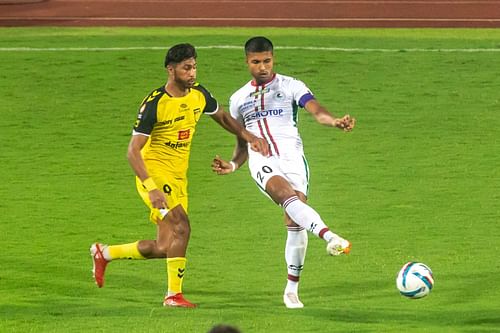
(233, 165)
(149, 184)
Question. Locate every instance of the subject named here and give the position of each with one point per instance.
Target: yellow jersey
(170, 123)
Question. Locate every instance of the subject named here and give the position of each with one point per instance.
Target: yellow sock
(175, 273)
(125, 251)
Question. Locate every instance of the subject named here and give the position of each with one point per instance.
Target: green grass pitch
(418, 179)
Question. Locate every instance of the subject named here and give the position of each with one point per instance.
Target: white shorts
(293, 168)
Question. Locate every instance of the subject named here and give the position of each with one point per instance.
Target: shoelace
(292, 297)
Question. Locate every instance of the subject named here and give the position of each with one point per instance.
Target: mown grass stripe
(233, 47)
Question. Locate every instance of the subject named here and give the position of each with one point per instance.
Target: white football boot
(292, 301)
(337, 246)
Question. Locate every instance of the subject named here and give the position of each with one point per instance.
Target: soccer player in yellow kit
(159, 154)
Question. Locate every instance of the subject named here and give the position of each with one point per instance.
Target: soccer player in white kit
(268, 106)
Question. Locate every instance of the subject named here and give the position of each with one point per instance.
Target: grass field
(418, 179)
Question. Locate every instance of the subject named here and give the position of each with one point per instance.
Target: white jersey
(270, 111)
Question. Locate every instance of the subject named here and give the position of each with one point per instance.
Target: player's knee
(146, 248)
(162, 247)
(180, 226)
(283, 195)
(279, 189)
(182, 231)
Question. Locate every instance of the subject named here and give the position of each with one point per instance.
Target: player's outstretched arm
(324, 117)
(231, 125)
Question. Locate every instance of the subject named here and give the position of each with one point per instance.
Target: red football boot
(100, 263)
(178, 300)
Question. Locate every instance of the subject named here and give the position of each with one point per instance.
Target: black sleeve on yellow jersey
(211, 105)
(146, 117)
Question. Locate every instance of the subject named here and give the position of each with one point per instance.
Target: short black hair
(258, 44)
(179, 53)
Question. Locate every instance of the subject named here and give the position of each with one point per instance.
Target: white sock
(307, 218)
(292, 287)
(105, 253)
(295, 253)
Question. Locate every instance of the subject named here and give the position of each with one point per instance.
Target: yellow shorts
(175, 190)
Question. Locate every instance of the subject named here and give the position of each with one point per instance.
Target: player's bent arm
(134, 157)
(230, 124)
(240, 153)
(322, 116)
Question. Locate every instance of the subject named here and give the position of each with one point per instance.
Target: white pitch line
(232, 47)
(339, 49)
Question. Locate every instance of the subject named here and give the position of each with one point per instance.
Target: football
(415, 280)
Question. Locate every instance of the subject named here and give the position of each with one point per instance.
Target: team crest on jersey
(183, 135)
(279, 95)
